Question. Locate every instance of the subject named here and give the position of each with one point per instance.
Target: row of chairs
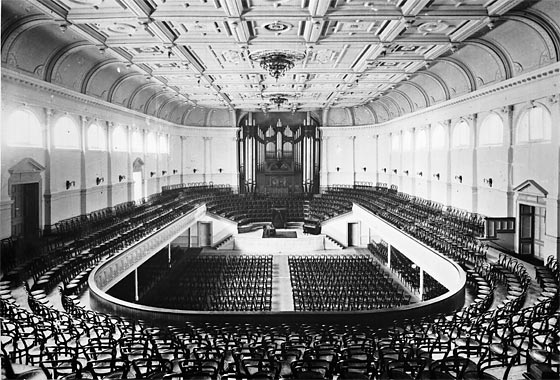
(240, 283)
(341, 283)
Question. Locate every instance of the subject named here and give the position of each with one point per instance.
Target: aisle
(281, 285)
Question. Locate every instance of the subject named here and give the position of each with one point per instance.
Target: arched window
(65, 134)
(97, 139)
(137, 142)
(120, 142)
(24, 130)
(395, 142)
(461, 135)
(491, 131)
(534, 125)
(270, 150)
(438, 137)
(421, 140)
(151, 143)
(407, 141)
(288, 149)
(163, 146)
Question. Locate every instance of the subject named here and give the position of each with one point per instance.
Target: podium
(279, 217)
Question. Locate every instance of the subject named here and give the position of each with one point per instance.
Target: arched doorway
(139, 187)
(24, 186)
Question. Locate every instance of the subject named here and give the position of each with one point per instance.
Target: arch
(372, 112)
(461, 134)
(536, 19)
(162, 106)
(96, 137)
(137, 164)
(27, 131)
(491, 131)
(16, 29)
(534, 124)
(137, 141)
(407, 138)
(438, 79)
(421, 90)
(119, 140)
(492, 48)
(152, 99)
(391, 103)
(438, 134)
(137, 91)
(406, 97)
(94, 70)
(117, 83)
(151, 142)
(163, 144)
(66, 134)
(54, 61)
(461, 66)
(420, 143)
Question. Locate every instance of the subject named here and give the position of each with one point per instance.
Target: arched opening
(138, 185)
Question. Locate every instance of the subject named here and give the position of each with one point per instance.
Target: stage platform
(297, 242)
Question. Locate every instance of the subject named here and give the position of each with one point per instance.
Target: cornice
(544, 73)
(16, 77)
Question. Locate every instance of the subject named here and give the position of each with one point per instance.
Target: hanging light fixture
(278, 100)
(277, 62)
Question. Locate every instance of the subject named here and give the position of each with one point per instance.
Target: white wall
(508, 164)
(187, 150)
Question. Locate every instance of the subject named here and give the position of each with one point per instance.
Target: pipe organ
(278, 155)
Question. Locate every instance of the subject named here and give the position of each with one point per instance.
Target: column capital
(505, 109)
(553, 99)
(49, 111)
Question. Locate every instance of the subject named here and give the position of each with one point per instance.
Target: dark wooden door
(526, 229)
(25, 210)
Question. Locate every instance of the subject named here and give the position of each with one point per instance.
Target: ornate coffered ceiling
(196, 52)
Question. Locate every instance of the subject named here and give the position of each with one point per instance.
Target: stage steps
(226, 243)
(331, 243)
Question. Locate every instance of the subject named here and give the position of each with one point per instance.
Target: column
(377, 159)
(507, 112)
(448, 176)
(83, 181)
(128, 173)
(183, 163)
(145, 173)
(207, 175)
(169, 255)
(136, 296)
(158, 167)
(388, 255)
(324, 163)
(47, 185)
(474, 163)
(427, 174)
(353, 139)
(421, 287)
(107, 179)
(400, 163)
(552, 221)
(412, 168)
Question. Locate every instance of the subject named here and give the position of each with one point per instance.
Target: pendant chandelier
(277, 62)
(278, 100)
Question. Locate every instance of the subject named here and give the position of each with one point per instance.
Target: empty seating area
(342, 283)
(218, 283)
(499, 333)
(448, 230)
(251, 208)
